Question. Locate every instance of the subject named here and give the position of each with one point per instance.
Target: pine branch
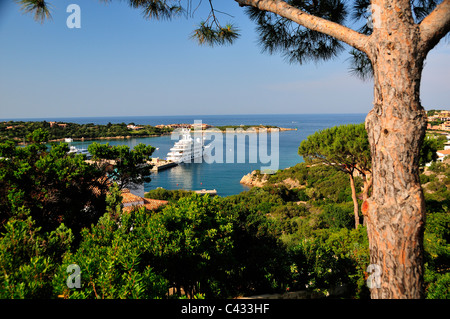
(336, 30)
(436, 25)
(40, 9)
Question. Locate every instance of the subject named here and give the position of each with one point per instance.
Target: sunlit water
(224, 177)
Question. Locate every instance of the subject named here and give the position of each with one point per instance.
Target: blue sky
(119, 64)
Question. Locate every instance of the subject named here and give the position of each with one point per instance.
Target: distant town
(438, 120)
(438, 125)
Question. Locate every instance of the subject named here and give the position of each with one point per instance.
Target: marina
(223, 177)
(160, 165)
(79, 151)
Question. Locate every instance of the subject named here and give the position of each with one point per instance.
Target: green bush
(439, 287)
(112, 262)
(30, 258)
(170, 195)
(338, 216)
(332, 259)
(437, 255)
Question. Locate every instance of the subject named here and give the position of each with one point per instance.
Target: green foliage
(297, 43)
(432, 112)
(220, 247)
(111, 262)
(436, 187)
(201, 244)
(192, 240)
(360, 64)
(243, 127)
(439, 287)
(336, 216)
(170, 195)
(266, 240)
(130, 166)
(259, 257)
(52, 185)
(39, 8)
(38, 136)
(157, 9)
(345, 147)
(437, 231)
(320, 182)
(29, 258)
(429, 147)
(332, 259)
(20, 130)
(114, 200)
(214, 34)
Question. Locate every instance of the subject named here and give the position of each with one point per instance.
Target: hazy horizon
(164, 116)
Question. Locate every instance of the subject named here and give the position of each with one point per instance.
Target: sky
(119, 64)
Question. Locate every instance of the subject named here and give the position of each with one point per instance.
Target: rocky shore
(256, 179)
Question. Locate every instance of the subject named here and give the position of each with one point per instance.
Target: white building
(442, 154)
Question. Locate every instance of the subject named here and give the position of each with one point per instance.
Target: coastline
(232, 129)
(124, 137)
(253, 129)
(120, 137)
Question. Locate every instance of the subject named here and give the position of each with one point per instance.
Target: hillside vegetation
(277, 238)
(19, 130)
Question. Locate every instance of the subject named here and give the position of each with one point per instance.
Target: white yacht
(186, 149)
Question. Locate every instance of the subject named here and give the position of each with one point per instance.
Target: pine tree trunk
(396, 127)
(355, 200)
(395, 212)
(365, 195)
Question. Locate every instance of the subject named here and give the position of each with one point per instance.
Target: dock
(159, 165)
(212, 192)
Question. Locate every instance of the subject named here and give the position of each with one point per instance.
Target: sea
(223, 176)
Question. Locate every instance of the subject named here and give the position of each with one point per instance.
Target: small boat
(77, 151)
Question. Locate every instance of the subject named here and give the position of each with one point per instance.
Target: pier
(212, 192)
(159, 164)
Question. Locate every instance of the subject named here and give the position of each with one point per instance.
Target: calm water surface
(224, 177)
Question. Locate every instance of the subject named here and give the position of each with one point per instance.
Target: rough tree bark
(367, 178)
(355, 200)
(396, 126)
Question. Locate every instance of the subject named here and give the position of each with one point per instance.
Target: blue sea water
(224, 177)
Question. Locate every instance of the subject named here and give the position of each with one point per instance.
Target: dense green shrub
(437, 255)
(338, 216)
(330, 260)
(112, 262)
(170, 195)
(29, 258)
(269, 239)
(18, 130)
(439, 286)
